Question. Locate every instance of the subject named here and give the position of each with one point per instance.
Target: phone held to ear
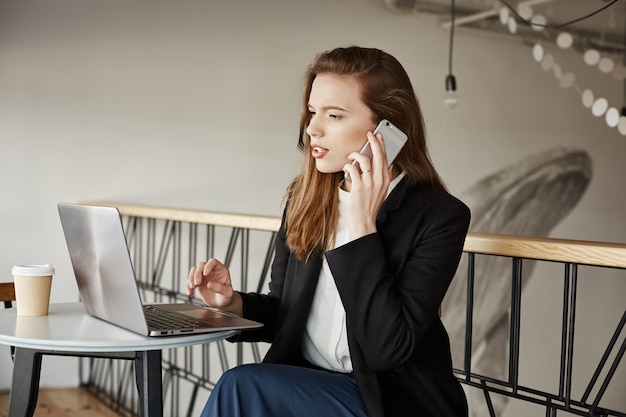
(394, 141)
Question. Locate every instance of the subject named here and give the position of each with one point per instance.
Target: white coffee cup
(32, 289)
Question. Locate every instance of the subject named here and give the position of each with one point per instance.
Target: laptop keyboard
(159, 319)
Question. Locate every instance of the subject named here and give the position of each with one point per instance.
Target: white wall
(195, 104)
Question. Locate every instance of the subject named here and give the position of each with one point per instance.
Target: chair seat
(7, 296)
(7, 293)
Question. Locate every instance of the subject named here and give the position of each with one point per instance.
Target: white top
(68, 328)
(325, 342)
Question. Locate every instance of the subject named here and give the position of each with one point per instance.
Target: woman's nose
(313, 128)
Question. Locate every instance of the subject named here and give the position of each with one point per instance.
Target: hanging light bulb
(451, 100)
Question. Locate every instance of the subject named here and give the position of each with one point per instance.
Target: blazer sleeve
(265, 308)
(392, 282)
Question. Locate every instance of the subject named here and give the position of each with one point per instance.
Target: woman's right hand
(369, 188)
(212, 281)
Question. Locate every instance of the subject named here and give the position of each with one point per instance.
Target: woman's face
(339, 121)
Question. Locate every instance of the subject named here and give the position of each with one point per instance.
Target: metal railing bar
(256, 354)
(112, 375)
(492, 411)
(176, 260)
(133, 240)
(245, 254)
(222, 354)
(232, 243)
(469, 314)
(175, 402)
(548, 401)
(151, 258)
(486, 378)
(607, 380)
(605, 357)
(145, 249)
(168, 379)
(571, 326)
(549, 409)
(192, 399)
(129, 229)
(245, 251)
(141, 255)
(187, 359)
(193, 245)
(210, 242)
(482, 384)
(205, 371)
(505, 386)
(267, 263)
(192, 378)
(564, 331)
(514, 344)
(93, 365)
(123, 387)
(138, 249)
(166, 239)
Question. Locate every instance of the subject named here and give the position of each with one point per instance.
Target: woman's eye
(333, 116)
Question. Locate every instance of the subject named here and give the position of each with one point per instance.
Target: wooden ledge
(549, 249)
(265, 223)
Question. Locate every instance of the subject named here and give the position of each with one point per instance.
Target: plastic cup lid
(33, 270)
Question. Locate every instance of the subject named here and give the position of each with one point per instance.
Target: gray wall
(195, 104)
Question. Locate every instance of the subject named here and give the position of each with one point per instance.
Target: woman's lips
(318, 151)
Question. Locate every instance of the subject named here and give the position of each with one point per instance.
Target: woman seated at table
(360, 266)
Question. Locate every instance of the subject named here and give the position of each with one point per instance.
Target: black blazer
(391, 284)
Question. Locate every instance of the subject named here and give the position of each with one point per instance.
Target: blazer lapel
(307, 274)
(392, 202)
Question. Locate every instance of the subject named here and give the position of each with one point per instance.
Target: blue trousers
(269, 390)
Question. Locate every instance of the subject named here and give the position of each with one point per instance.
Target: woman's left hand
(369, 189)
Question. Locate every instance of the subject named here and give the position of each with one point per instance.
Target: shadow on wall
(529, 198)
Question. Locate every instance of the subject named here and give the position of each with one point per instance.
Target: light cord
(451, 45)
(623, 111)
(587, 16)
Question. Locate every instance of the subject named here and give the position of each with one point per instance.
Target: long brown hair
(312, 208)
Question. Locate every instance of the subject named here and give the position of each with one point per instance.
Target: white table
(68, 331)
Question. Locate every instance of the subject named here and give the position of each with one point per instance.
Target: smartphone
(394, 141)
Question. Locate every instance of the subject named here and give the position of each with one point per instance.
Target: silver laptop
(106, 279)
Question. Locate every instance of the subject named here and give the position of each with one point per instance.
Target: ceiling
(603, 31)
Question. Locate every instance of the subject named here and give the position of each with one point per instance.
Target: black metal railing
(164, 243)
(506, 386)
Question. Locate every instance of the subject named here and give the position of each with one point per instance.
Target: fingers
(212, 281)
(369, 167)
(379, 156)
(209, 266)
(191, 285)
(199, 274)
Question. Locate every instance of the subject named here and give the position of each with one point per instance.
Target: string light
(599, 106)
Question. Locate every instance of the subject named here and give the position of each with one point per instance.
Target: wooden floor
(63, 402)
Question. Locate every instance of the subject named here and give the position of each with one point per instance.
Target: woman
(360, 267)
